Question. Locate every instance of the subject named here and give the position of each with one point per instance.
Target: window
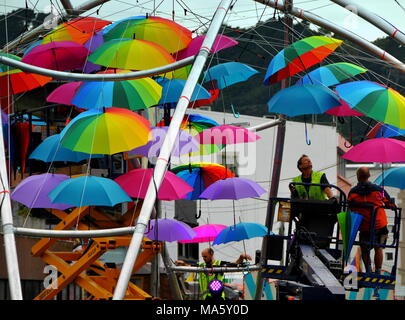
(188, 252)
(389, 256)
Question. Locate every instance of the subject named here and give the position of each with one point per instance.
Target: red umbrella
(19, 81)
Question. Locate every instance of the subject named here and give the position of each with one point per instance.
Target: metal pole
(217, 269)
(349, 35)
(374, 19)
(166, 149)
(174, 283)
(278, 157)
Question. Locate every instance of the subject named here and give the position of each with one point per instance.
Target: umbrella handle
(235, 114)
(149, 228)
(197, 216)
(307, 140)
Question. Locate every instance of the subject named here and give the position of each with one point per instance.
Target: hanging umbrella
(375, 101)
(299, 56)
(136, 183)
(343, 111)
(194, 122)
(112, 131)
(331, 74)
(131, 54)
(65, 93)
(61, 55)
(205, 233)
(393, 177)
(183, 143)
(381, 130)
(226, 134)
(169, 230)
(200, 175)
(168, 34)
(50, 150)
(33, 191)
(349, 223)
(89, 191)
(221, 42)
(381, 150)
(305, 99)
(241, 231)
(204, 102)
(228, 73)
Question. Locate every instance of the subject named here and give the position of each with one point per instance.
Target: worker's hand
(243, 257)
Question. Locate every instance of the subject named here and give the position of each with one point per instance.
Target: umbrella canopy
(89, 191)
(228, 73)
(344, 111)
(305, 99)
(200, 175)
(136, 183)
(381, 130)
(349, 223)
(221, 42)
(205, 233)
(33, 191)
(184, 143)
(112, 131)
(375, 101)
(61, 55)
(65, 93)
(169, 230)
(5, 67)
(241, 231)
(381, 150)
(194, 123)
(131, 54)
(232, 188)
(393, 177)
(331, 74)
(226, 134)
(168, 34)
(50, 150)
(299, 56)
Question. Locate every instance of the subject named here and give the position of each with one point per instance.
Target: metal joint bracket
(8, 228)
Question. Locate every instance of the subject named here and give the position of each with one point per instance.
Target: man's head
(208, 255)
(363, 173)
(304, 163)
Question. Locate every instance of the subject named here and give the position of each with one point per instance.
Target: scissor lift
(82, 267)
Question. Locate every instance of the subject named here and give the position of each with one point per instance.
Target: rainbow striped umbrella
(375, 101)
(112, 131)
(131, 54)
(349, 223)
(299, 56)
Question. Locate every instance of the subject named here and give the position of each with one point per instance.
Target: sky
(245, 12)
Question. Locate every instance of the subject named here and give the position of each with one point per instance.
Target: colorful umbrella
(184, 143)
(381, 150)
(200, 175)
(241, 231)
(221, 42)
(381, 130)
(205, 233)
(136, 183)
(112, 131)
(343, 111)
(375, 101)
(194, 122)
(232, 188)
(393, 177)
(65, 93)
(228, 73)
(305, 99)
(33, 191)
(168, 34)
(131, 54)
(169, 230)
(226, 134)
(89, 191)
(331, 74)
(50, 150)
(349, 223)
(5, 67)
(78, 30)
(299, 56)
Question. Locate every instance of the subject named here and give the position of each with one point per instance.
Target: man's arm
(327, 190)
(242, 257)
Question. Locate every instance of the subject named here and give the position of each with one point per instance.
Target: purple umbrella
(185, 143)
(169, 230)
(33, 191)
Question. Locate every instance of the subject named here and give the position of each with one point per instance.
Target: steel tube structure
(315, 19)
(168, 144)
(216, 269)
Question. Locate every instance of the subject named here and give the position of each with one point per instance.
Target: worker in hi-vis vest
(304, 165)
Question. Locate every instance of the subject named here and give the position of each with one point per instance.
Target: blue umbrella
(349, 223)
(393, 177)
(89, 191)
(229, 73)
(51, 150)
(241, 231)
(382, 130)
(195, 180)
(305, 99)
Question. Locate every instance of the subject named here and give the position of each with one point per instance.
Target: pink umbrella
(64, 93)
(205, 233)
(343, 111)
(59, 55)
(221, 42)
(226, 134)
(381, 150)
(135, 183)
